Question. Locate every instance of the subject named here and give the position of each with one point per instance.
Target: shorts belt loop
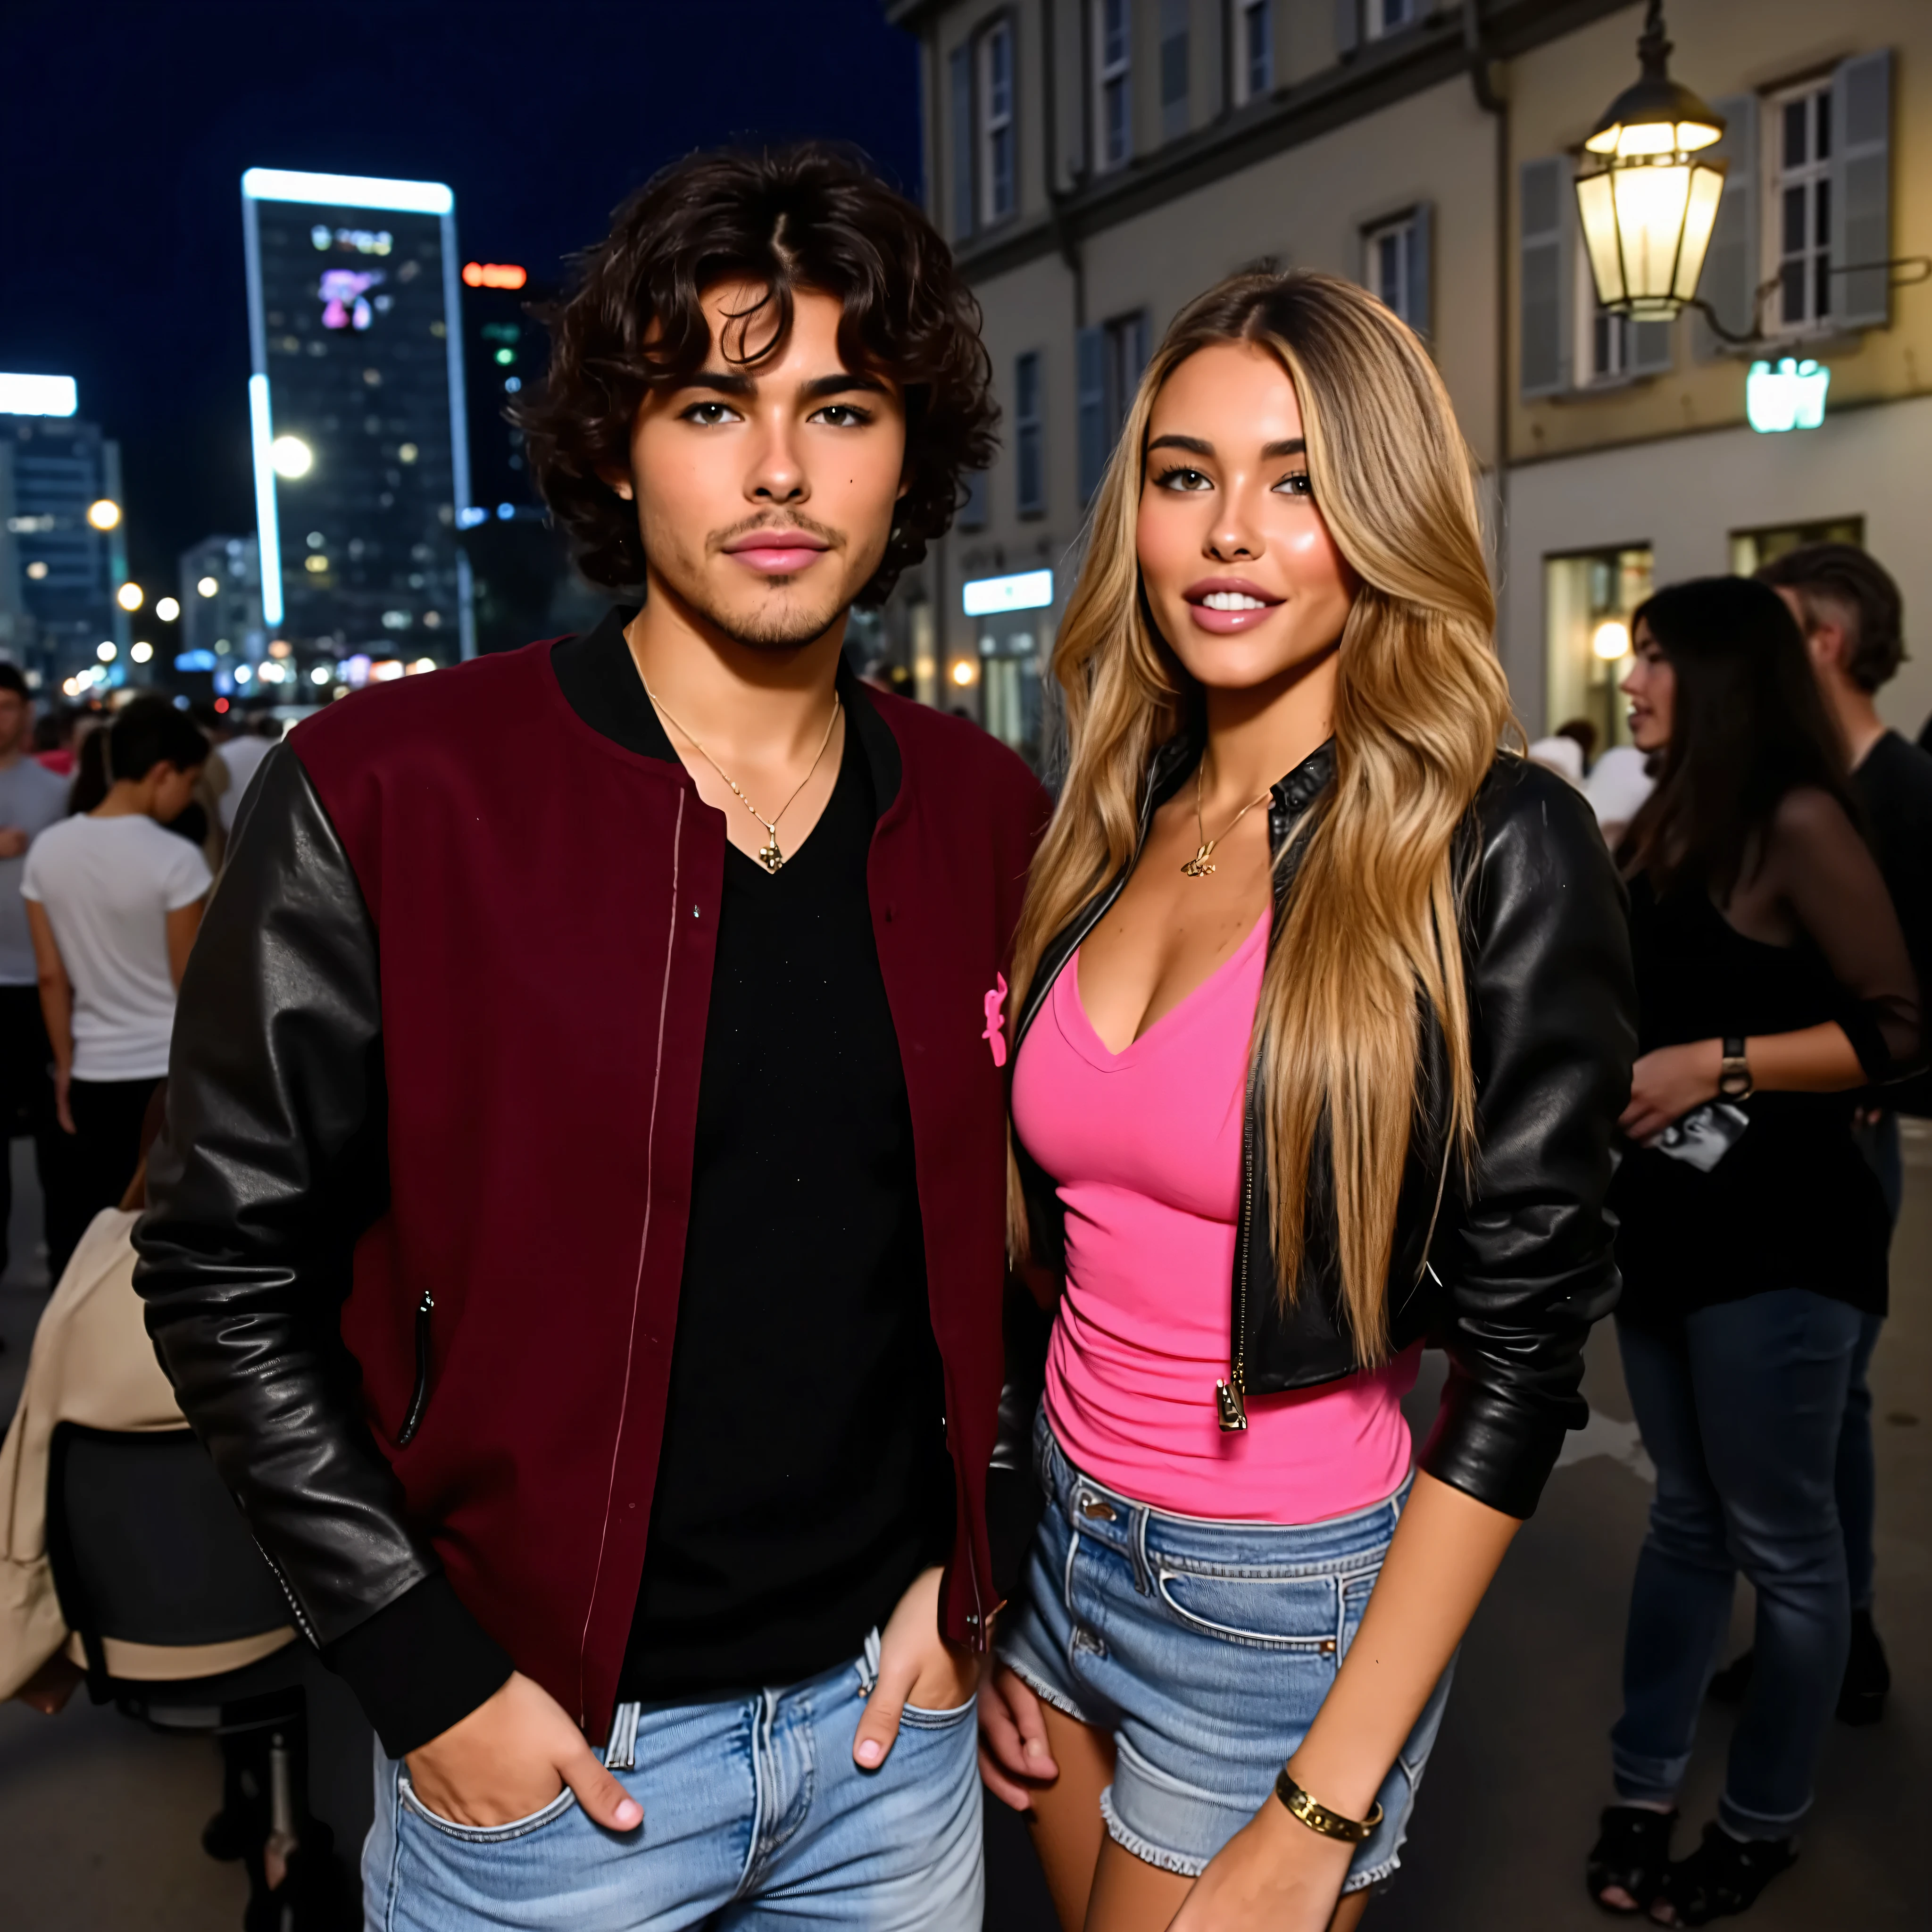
(621, 1753)
(1143, 1563)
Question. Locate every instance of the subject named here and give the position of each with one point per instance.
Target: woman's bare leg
(1129, 1895)
(1067, 1828)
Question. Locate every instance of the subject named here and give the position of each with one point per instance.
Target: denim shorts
(1205, 1649)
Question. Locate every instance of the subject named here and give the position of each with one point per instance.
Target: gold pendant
(1202, 863)
(769, 856)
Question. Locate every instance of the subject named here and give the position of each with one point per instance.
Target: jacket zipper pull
(1229, 1398)
(419, 1401)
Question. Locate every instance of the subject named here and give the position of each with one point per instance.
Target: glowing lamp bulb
(1610, 640)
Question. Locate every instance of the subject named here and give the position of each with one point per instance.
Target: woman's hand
(1273, 1875)
(1665, 1086)
(1014, 1754)
(63, 1100)
(917, 1666)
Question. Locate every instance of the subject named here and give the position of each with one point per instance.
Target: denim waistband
(1150, 1537)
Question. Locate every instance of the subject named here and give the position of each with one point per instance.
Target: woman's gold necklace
(770, 857)
(1202, 863)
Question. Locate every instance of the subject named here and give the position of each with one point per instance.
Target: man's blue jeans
(1742, 1417)
(756, 1819)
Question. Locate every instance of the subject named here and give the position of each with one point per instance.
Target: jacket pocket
(419, 1397)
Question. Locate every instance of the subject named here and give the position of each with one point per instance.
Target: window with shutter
(1545, 276)
(1395, 265)
(1348, 27)
(1801, 137)
(1174, 69)
(1029, 432)
(1251, 55)
(1732, 270)
(961, 96)
(1090, 408)
(1113, 83)
(1861, 190)
(972, 512)
(998, 187)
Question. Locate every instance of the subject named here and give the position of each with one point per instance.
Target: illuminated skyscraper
(62, 554)
(357, 410)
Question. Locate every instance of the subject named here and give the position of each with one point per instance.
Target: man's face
(765, 494)
(16, 718)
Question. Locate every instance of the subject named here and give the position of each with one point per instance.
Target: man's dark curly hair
(810, 216)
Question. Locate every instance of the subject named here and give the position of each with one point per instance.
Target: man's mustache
(776, 520)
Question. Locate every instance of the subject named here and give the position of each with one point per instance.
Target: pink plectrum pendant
(995, 1033)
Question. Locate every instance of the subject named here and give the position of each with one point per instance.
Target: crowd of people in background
(112, 830)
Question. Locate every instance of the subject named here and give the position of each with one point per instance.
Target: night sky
(127, 124)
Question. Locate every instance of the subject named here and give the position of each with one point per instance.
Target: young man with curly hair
(578, 1232)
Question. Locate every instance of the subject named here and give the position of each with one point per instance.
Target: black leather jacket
(1507, 1271)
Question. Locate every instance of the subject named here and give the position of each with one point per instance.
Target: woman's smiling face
(1242, 576)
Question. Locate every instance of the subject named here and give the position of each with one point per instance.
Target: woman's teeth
(1233, 600)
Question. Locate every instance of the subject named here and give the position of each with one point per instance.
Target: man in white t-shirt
(242, 753)
(114, 900)
(32, 798)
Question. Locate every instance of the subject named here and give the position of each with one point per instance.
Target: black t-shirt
(1894, 785)
(803, 1479)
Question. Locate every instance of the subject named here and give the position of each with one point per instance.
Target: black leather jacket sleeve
(272, 1162)
(1526, 1254)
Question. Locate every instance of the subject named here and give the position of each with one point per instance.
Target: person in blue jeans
(1773, 983)
(1853, 616)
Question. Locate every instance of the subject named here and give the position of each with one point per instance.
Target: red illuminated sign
(493, 275)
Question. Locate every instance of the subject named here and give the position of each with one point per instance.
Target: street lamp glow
(965, 672)
(1611, 640)
(208, 587)
(291, 456)
(1649, 210)
(128, 597)
(105, 651)
(242, 673)
(103, 513)
(320, 674)
(141, 653)
(168, 610)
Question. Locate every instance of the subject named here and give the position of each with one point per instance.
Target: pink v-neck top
(1145, 1145)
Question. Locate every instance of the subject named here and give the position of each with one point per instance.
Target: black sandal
(1722, 1877)
(1633, 1853)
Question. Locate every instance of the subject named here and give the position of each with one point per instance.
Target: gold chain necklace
(1202, 863)
(771, 858)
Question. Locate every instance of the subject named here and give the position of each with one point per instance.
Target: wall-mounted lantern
(1648, 210)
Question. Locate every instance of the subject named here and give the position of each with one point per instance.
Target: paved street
(99, 1820)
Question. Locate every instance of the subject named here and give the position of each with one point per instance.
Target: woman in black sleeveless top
(1773, 983)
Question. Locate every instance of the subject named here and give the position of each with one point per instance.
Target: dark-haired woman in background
(1774, 982)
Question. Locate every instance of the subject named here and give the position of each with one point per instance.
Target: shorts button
(1097, 1508)
(1328, 1646)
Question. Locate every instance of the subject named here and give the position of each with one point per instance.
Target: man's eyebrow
(726, 382)
(1195, 445)
(842, 384)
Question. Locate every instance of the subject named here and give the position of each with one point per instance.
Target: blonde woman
(1323, 1020)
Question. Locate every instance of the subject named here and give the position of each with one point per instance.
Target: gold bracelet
(1319, 1818)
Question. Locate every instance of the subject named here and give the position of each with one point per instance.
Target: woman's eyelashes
(1180, 479)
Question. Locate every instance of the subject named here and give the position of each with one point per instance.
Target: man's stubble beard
(781, 630)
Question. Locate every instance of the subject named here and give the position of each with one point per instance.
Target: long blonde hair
(1369, 929)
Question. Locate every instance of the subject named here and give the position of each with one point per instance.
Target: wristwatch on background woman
(1734, 1073)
